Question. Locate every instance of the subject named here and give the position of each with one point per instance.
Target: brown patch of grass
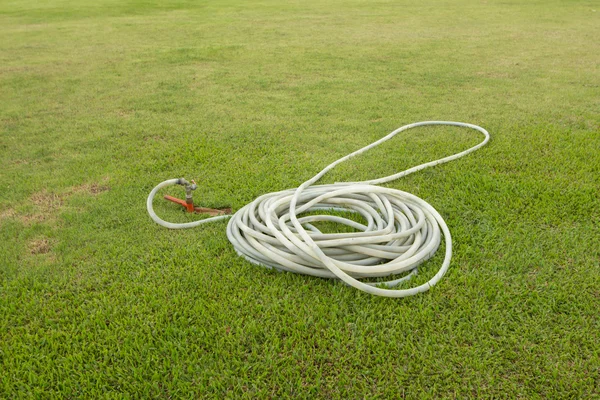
(29, 219)
(40, 246)
(48, 205)
(125, 113)
(154, 138)
(47, 202)
(8, 213)
(91, 189)
(495, 74)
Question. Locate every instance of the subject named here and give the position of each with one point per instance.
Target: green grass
(101, 100)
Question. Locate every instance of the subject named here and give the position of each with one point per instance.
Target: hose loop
(401, 232)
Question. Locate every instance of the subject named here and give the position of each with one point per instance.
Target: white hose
(402, 230)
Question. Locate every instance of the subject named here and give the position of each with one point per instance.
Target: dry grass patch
(91, 189)
(48, 205)
(8, 213)
(40, 246)
(47, 202)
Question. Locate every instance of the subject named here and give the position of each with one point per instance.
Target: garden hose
(401, 230)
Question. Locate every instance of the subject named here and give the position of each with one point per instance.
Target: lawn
(101, 100)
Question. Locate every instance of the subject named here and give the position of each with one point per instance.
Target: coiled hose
(401, 230)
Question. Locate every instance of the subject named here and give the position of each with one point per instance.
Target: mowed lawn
(101, 100)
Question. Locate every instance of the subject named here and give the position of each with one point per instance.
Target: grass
(101, 100)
